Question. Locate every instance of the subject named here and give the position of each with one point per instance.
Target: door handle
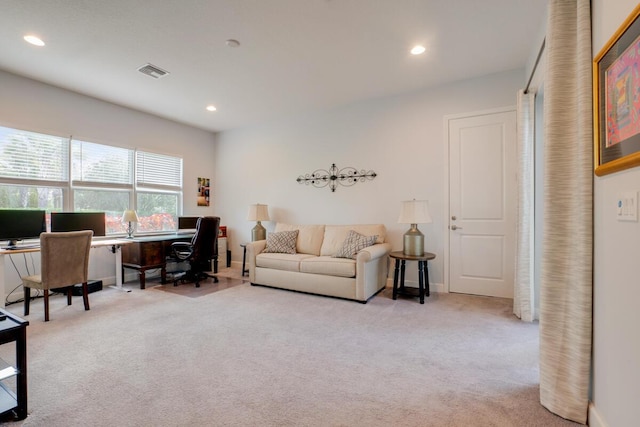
(455, 227)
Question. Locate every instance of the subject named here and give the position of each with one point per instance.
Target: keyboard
(19, 247)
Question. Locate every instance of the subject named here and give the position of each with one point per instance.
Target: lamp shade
(130, 216)
(258, 212)
(415, 212)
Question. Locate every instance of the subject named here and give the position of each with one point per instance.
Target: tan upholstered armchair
(64, 259)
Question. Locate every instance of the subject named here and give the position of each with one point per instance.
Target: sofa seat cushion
(288, 262)
(329, 266)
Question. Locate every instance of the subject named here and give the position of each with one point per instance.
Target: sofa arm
(253, 249)
(373, 252)
(372, 269)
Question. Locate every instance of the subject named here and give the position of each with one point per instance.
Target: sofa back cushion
(309, 237)
(335, 235)
(282, 242)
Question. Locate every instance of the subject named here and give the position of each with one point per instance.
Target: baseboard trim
(594, 418)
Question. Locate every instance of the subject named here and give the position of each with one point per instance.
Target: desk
(147, 253)
(115, 246)
(423, 275)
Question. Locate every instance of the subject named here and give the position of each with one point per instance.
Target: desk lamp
(130, 217)
(258, 213)
(414, 212)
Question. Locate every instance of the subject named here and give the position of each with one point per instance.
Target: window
(113, 203)
(104, 164)
(35, 172)
(102, 180)
(157, 211)
(158, 171)
(31, 197)
(33, 156)
(158, 190)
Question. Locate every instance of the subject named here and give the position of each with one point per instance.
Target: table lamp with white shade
(130, 217)
(258, 213)
(414, 212)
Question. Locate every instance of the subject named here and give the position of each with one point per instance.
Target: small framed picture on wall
(203, 191)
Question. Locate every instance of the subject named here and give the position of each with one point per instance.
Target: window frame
(133, 188)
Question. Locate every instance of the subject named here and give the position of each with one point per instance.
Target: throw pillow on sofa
(354, 243)
(282, 242)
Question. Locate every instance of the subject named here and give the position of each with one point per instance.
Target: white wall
(30, 105)
(401, 138)
(616, 352)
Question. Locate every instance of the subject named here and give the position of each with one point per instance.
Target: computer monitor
(187, 222)
(76, 221)
(20, 224)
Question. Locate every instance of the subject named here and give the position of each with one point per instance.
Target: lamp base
(258, 232)
(130, 231)
(413, 242)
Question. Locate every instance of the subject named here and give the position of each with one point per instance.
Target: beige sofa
(314, 267)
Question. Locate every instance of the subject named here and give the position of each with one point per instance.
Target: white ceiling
(295, 55)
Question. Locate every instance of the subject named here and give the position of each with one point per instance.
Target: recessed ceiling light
(232, 43)
(36, 41)
(417, 50)
(211, 108)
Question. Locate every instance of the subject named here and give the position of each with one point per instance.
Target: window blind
(99, 163)
(56, 173)
(33, 156)
(158, 171)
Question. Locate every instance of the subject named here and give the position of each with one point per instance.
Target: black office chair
(202, 249)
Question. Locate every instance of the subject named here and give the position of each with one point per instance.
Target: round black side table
(423, 275)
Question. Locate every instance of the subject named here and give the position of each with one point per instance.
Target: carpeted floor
(208, 287)
(255, 356)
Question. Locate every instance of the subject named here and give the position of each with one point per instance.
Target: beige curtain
(523, 293)
(566, 283)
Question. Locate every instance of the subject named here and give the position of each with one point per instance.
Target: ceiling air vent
(153, 71)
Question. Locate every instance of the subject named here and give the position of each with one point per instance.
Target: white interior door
(482, 204)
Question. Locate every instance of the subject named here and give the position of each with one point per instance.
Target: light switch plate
(627, 206)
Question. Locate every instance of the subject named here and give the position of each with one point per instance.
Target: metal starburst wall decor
(346, 177)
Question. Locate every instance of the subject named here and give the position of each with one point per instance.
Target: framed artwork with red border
(616, 100)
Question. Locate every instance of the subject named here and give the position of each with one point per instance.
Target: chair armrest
(182, 250)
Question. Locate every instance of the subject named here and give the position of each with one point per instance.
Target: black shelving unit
(13, 403)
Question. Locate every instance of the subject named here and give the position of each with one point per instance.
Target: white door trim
(445, 206)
